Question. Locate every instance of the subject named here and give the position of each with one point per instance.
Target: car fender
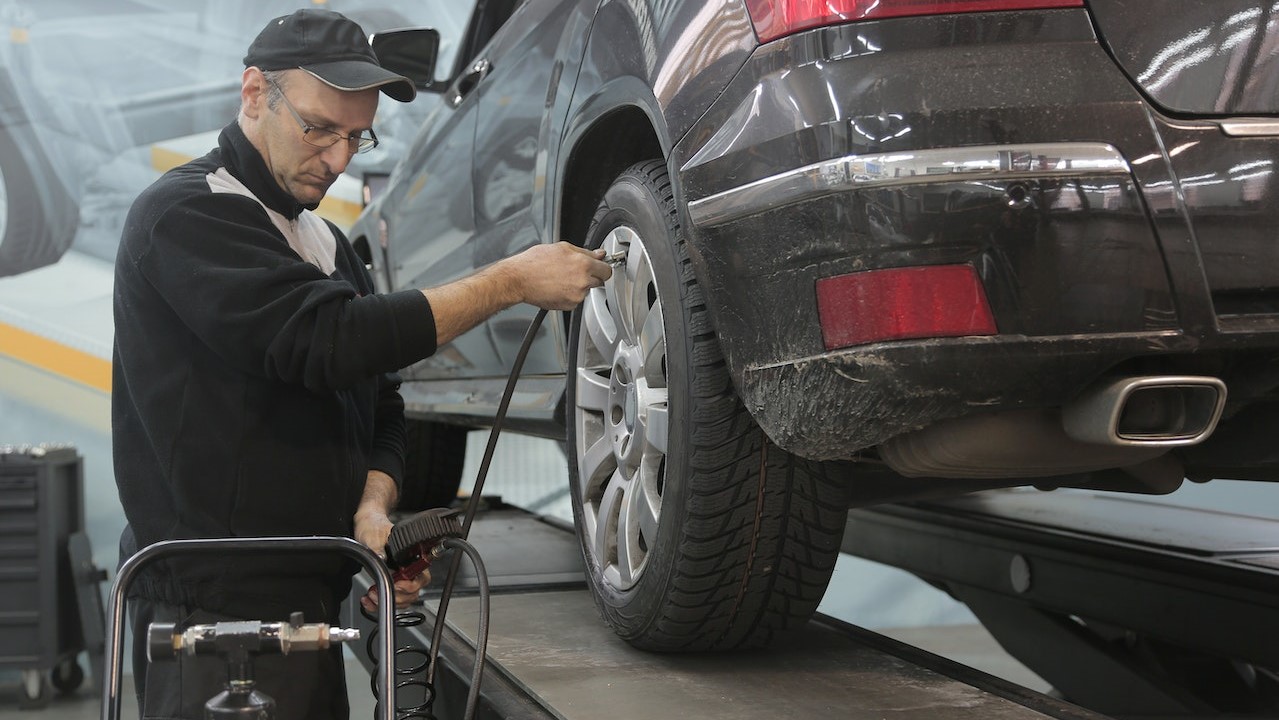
(666, 62)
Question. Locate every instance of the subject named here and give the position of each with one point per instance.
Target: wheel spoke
(592, 390)
(635, 255)
(618, 288)
(605, 543)
(640, 274)
(600, 324)
(594, 466)
(655, 425)
(652, 342)
(643, 506)
(634, 508)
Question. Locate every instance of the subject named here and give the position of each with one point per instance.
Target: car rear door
(531, 62)
(429, 217)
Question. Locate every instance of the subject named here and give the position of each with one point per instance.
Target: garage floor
(968, 644)
(85, 704)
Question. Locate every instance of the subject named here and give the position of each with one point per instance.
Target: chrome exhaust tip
(1161, 410)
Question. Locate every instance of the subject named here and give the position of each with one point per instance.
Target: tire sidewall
(632, 202)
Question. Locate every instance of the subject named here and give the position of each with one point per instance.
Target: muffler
(1153, 411)
(1013, 444)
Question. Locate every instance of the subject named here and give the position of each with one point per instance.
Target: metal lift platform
(1129, 606)
(551, 656)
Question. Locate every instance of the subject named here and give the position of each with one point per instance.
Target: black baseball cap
(330, 46)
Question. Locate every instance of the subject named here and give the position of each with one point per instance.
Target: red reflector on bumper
(902, 303)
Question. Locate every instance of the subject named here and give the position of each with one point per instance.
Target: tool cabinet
(41, 505)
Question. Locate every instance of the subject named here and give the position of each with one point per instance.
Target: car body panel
(1224, 187)
(1213, 57)
(639, 55)
(521, 111)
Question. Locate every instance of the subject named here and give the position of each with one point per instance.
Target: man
(253, 380)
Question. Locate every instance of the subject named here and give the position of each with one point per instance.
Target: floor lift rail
(1127, 606)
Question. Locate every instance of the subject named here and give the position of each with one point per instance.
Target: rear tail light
(902, 303)
(775, 18)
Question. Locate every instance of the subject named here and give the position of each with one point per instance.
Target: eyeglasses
(324, 138)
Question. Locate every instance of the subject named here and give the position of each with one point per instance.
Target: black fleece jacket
(253, 383)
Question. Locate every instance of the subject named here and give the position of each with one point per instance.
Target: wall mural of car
(87, 88)
(875, 251)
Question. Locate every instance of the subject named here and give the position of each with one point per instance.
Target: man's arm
(554, 277)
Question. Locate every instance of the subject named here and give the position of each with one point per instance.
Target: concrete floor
(86, 703)
(967, 644)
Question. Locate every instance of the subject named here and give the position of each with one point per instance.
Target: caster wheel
(35, 690)
(67, 677)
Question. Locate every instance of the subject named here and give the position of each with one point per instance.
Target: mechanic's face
(304, 170)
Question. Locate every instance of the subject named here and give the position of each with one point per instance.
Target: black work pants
(304, 685)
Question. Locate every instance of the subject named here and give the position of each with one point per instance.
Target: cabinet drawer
(19, 640)
(21, 522)
(18, 595)
(17, 492)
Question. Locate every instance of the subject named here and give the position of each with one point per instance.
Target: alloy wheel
(620, 413)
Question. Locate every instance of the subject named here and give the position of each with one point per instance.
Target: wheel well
(616, 141)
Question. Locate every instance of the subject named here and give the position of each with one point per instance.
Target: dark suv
(873, 251)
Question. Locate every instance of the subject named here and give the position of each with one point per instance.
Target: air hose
(414, 542)
(472, 505)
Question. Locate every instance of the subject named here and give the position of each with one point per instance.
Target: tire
(38, 219)
(697, 532)
(435, 454)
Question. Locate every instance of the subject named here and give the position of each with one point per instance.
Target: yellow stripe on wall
(164, 159)
(54, 357)
(342, 212)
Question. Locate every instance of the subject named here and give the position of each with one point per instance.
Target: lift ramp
(1127, 605)
(551, 656)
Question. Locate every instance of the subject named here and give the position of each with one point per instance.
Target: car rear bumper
(1007, 142)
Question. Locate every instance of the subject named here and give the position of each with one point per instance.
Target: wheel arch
(613, 142)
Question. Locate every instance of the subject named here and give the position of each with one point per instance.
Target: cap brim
(354, 75)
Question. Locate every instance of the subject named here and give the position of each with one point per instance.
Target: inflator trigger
(416, 541)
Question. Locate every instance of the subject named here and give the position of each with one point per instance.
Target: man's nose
(336, 157)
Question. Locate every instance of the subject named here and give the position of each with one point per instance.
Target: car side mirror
(411, 52)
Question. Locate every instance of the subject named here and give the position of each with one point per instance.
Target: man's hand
(554, 277)
(406, 591)
(557, 277)
(373, 529)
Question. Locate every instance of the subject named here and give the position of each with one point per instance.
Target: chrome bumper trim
(860, 172)
(1250, 127)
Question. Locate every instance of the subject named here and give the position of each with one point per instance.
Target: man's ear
(253, 91)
